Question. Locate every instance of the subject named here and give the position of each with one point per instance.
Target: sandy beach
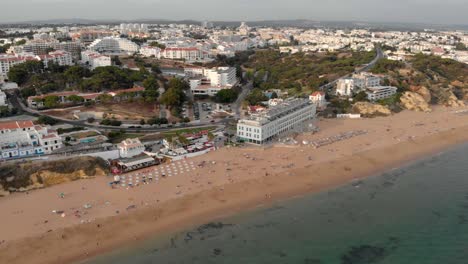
(214, 185)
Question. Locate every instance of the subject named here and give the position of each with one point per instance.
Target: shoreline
(80, 242)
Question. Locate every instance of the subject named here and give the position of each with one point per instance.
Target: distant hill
(302, 23)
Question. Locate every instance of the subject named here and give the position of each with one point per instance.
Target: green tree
(27, 92)
(18, 75)
(226, 96)
(105, 98)
(151, 83)
(158, 45)
(256, 97)
(51, 101)
(49, 87)
(75, 99)
(47, 120)
(75, 74)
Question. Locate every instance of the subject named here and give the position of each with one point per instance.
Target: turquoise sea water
(416, 214)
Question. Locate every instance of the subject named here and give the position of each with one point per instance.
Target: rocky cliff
(414, 101)
(21, 177)
(367, 109)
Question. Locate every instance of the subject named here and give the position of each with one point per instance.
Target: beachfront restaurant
(136, 163)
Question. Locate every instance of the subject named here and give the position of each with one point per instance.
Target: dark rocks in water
(173, 244)
(188, 237)
(388, 184)
(213, 225)
(283, 255)
(357, 183)
(364, 254)
(266, 225)
(217, 251)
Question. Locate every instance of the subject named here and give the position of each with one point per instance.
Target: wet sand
(230, 180)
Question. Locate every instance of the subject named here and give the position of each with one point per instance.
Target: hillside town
(233, 132)
(213, 93)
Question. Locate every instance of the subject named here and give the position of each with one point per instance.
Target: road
(238, 103)
(378, 56)
(14, 100)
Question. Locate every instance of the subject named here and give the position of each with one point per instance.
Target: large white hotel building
(264, 127)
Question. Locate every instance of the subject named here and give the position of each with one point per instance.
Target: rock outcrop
(415, 102)
(423, 91)
(452, 100)
(367, 109)
(35, 175)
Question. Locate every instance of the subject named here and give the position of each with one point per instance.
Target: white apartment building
(3, 99)
(62, 58)
(380, 92)
(345, 87)
(364, 80)
(114, 45)
(222, 76)
(184, 53)
(149, 51)
(94, 59)
(130, 147)
(9, 60)
(40, 47)
(133, 28)
(23, 138)
(211, 81)
(265, 126)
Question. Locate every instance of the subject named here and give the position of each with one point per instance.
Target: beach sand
(230, 180)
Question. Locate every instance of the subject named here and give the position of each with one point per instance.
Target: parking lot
(203, 110)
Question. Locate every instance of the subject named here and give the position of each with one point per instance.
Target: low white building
(130, 147)
(149, 51)
(94, 59)
(23, 138)
(380, 92)
(318, 98)
(265, 126)
(184, 53)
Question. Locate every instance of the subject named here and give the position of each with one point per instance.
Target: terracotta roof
(318, 93)
(182, 49)
(16, 124)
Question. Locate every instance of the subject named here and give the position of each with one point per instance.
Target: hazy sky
(427, 11)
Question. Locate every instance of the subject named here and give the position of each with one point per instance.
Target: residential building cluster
(22, 139)
(366, 82)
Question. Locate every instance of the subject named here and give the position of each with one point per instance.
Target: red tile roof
(318, 93)
(16, 124)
